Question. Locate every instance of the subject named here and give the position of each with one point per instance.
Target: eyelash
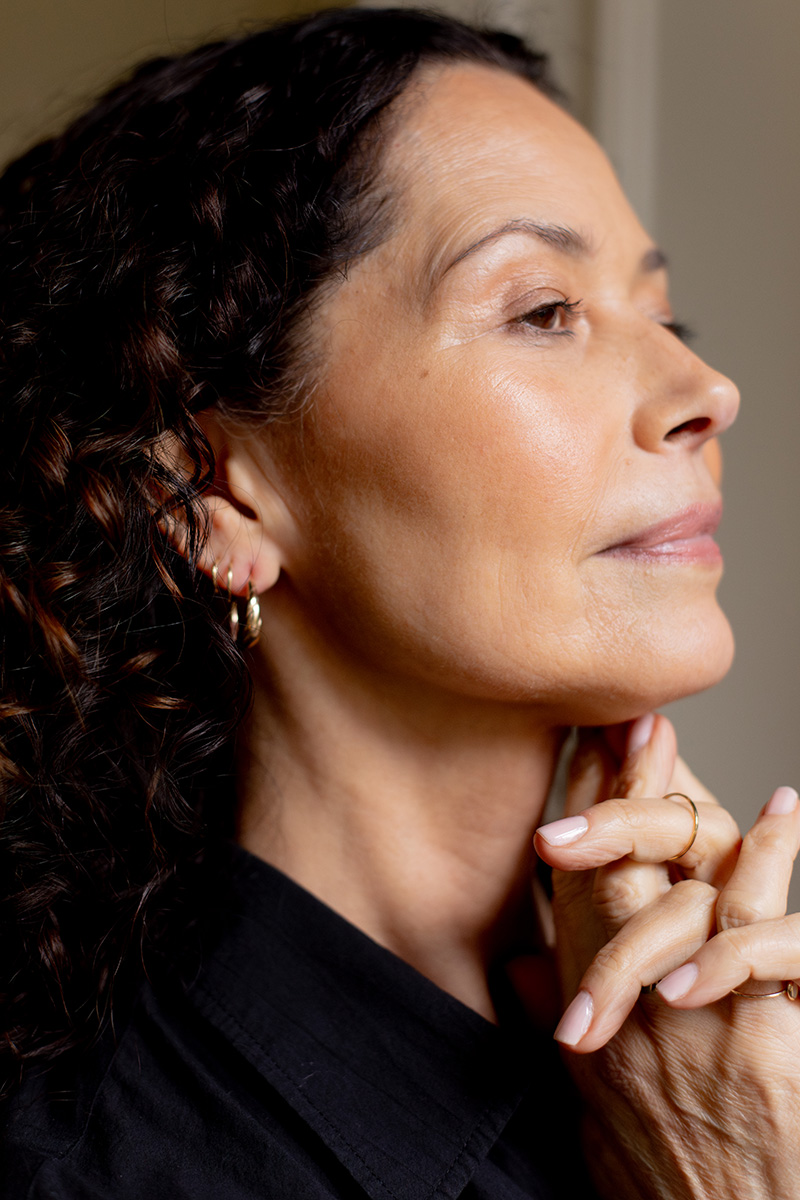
(572, 308)
(683, 332)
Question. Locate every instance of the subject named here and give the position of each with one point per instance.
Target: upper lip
(697, 520)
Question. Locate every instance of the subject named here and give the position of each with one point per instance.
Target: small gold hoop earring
(233, 608)
(252, 619)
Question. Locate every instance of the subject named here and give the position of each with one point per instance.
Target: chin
(652, 670)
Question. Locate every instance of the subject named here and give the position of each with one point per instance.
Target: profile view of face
(501, 487)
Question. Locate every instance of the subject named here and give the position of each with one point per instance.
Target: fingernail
(575, 1021)
(561, 833)
(639, 734)
(784, 800)
(675, 985)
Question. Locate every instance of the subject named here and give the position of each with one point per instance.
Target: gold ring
(790, 990)
(690, 843)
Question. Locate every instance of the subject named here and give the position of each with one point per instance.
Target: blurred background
(698, 105)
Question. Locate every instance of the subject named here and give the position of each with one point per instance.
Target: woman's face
(501, 487)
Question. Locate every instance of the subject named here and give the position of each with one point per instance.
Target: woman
(336, 360)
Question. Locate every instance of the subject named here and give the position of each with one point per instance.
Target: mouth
(685, 537)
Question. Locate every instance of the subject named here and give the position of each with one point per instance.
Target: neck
(409, 813)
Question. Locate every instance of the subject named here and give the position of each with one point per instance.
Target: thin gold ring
(762, 995)
(690, 843)
(790, 990)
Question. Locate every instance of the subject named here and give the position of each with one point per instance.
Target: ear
(250, 527)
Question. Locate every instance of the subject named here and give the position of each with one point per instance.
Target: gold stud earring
(252, 619)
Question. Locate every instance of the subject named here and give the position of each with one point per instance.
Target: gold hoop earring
(252, 620)
(233, 608)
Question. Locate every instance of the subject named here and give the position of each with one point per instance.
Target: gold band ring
(690, 843)
(789, 989)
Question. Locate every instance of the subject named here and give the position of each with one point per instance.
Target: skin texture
(429, 541)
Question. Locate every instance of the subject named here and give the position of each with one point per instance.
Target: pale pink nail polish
(575, 1021)
(675, 985)
(561, 833)
(784, 800)
(639, 734)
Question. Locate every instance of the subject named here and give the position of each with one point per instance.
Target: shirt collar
(407, 1086)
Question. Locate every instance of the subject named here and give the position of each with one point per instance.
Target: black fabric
(304, 1062)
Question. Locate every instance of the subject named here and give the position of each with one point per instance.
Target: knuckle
(628, 815)
(618, 894)
(615, 959)
(769, 838)
(734, 946)
(737, 909)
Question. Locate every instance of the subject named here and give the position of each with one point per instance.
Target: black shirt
(304, 1062)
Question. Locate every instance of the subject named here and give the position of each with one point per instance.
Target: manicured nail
(639, 734)
(784, 800)
(575, 1021)
(561, 833)
(675, 985)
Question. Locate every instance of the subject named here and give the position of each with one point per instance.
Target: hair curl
(155, 260)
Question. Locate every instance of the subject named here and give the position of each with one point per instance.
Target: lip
(687, 536)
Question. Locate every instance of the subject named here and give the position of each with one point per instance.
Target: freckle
(422, 374)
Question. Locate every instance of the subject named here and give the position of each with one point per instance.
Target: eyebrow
(561, 237)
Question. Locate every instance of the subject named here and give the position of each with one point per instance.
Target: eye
(553, 317)
(683, 332)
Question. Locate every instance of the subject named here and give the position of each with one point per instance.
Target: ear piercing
(246, 633)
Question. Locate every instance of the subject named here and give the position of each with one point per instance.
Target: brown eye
(551, 318)
(546, 318)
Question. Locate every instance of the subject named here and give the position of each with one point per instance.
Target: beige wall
(56, 54)
(728, 199)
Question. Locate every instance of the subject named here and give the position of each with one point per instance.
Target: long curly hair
(156, 260)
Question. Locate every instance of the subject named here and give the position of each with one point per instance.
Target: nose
(683, 401)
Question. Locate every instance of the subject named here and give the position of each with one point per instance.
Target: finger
(624, 887)
(650, 944)
(768, 950)
(644, 830)
(650, 758)
(758, 888)
(580, 932)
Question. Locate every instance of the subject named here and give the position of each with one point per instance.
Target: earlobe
(246, 539)
(249, 526)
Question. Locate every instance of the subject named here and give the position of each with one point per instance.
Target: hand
(682, 1104)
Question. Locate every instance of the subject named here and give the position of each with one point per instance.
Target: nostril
(690, 429)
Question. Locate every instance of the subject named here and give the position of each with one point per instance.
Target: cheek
(475, 457)
(449, 517)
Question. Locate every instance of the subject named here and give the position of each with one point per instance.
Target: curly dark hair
(156, 259)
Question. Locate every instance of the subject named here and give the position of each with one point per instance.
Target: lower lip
(701, 549)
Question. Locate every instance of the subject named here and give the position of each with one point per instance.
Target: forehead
(477, 147)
